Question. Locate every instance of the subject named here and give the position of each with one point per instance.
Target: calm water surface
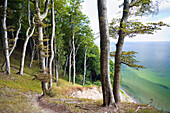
(153, 82)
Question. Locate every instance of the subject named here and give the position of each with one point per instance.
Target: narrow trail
(34, 98)
(36, 102)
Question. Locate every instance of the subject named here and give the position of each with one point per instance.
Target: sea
(152, 82)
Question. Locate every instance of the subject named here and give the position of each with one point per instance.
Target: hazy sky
(90, 9)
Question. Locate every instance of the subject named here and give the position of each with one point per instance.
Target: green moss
(22, 83)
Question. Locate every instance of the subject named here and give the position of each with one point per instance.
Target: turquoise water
(153, 82)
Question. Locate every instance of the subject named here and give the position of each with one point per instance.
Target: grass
(21, 83)
(15, 92)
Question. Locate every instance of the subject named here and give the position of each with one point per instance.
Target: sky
(89, 7)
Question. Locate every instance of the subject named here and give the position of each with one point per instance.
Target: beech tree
(15, 38)
(27, 38)
(52, 43)
(5, 39)
(130, 28)
(108, 98)
(39, 20)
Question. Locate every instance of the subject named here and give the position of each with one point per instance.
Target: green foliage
(111, 67)
(94, 63)
(134, 27)
(128, 58)
(144, 7)
(88, 82)
(97, 83)
(79, 79)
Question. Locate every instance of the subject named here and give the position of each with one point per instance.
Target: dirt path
(36, 102)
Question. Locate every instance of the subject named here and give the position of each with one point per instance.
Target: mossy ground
(16, 94)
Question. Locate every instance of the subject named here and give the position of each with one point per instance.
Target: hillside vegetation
(22, 94)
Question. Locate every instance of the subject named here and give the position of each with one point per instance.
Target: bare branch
(33, 27)
(139, 107)
(78, 47)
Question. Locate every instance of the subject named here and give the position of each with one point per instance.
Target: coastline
(126, 97)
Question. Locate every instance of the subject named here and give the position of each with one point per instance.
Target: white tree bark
(27, 39)
(40, 18)
(85, 67)
(47, 49)
(52, 43)
(15, 40)
(56, 71)
(77, 48)
(5, 39)
(70, 64)
(74, 60)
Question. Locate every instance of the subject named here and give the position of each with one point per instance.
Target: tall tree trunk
(65, 67)
(74, 60)
(15, 40)
(55, 61)
(42, 57)
(119, 46)
(27, 39)
(70, 64)
(108, 99)
(53, 67)
(56, 71)
(77, 48)
(33, 53)
(47, 53)
(5, 39)
(40, 18)
(85, 67)
(52, 43)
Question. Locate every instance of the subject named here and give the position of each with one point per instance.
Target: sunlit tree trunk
(15, 40)
(40, 18)
(119, 47)
(108, 99)
(56, 71)
(27, 39)
(52, 43)
(85, 67)
(74, 60)
(47, 54)
(70, 64)
(5, 39)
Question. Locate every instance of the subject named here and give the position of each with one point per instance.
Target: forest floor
(22, 94)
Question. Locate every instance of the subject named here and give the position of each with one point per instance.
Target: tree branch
(45, 10)
(139, 107)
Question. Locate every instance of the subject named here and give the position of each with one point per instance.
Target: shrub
(97, 83)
